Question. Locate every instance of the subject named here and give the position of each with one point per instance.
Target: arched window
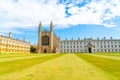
(45, 40)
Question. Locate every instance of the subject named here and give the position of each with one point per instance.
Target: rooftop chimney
(111, 38)
(97, 38)
(65, 38)
(24, 39)
(10, 35)
(71, 38)
(104, 38)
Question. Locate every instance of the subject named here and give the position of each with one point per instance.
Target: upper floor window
(112, 46)
(104, 46)
(119, 42)
(67, 42)
(77, 42)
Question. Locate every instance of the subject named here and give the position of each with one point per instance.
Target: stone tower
(39, 37)
(51, 36)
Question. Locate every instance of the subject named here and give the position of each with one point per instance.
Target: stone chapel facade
(48, 42)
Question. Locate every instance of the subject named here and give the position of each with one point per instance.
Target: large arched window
(45, 40)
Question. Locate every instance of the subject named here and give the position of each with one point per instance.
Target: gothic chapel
(48, 42)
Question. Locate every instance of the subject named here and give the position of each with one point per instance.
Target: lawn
(60, 66)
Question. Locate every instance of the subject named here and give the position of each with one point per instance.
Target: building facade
(90, 45)
(48, 42)
(10, 45)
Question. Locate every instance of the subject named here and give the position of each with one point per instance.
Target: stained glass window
(45, 40)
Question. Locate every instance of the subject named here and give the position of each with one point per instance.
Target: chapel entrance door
(45, 51)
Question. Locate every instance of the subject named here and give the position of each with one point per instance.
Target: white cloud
(109, 25)
(94, 12)
(28, 13)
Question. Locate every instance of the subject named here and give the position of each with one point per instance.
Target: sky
(71, 18)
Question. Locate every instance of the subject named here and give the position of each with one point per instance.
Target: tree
(33, 49)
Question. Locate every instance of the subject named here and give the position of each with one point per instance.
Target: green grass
(60, 66)
(14, 55)
(109, 65)
(14, 65)
(109, 54)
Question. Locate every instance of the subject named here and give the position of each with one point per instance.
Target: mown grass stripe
(11, 66)
(22, 57)
(106, 56)
(109, 54)
(14, 55)
(109, 65)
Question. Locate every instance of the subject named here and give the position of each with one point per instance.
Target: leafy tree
(33, 49)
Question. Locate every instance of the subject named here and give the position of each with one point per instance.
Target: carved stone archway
(45, 50)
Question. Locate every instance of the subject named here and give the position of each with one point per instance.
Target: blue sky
(71, 18)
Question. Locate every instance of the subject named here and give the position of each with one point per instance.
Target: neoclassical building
(11, 45)
(48, 42)
(90, 45)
